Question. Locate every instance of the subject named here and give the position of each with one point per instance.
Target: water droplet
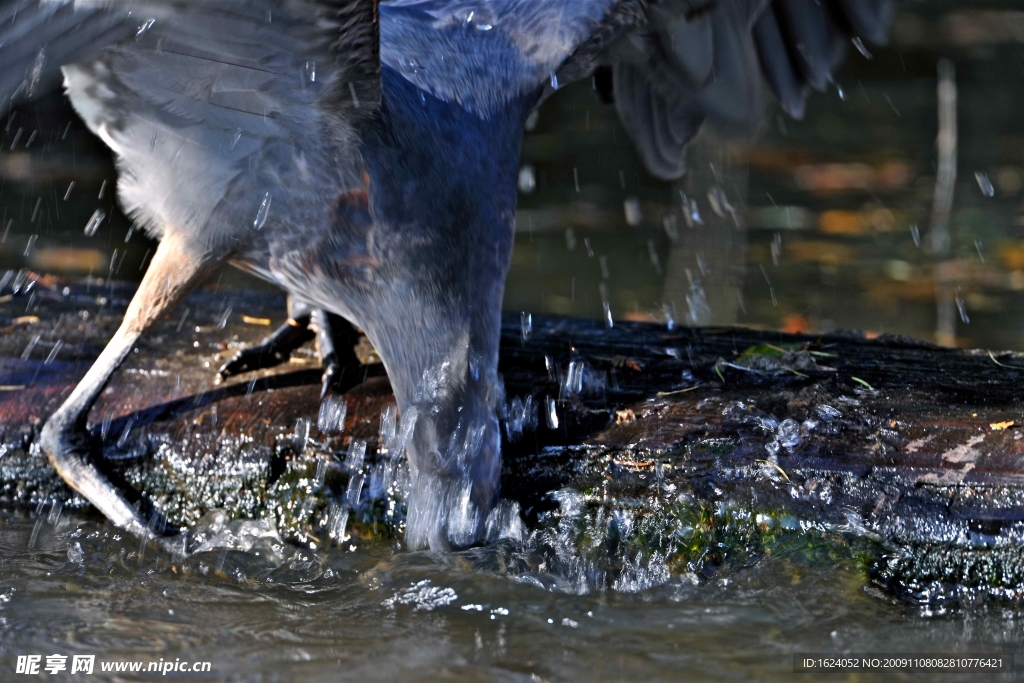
(915, 234)
(550, 412)
(526, 324)
(261, 214)
(859, 44)
(234, 140)
(697, 303)
(94, 222)
(356, 476)
(573, 384)
(839, 89)
(695, 213)
(652, 252)
(144, 28)
(631, 207)
(225, 316)
(554, 81)
(570, 239)
(310, 71)
(68, 193)
(321, 473)
(984, 184)
(527, 179)
(300, 435)
(36, 73)
(606, 305)
(960, 306)
(671, 225)
(75, 553)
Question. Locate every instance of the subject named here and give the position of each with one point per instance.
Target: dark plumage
(364, 158)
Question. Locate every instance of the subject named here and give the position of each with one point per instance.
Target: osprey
(363, 156)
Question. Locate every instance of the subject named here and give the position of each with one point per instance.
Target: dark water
(377, 614)
(805, 225)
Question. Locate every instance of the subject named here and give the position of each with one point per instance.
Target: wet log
(633, 452)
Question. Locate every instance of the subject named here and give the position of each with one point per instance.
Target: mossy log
(689, 449)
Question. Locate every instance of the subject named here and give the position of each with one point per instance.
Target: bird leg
(335, 339)
(175, 269)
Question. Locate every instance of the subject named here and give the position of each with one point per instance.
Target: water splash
(331, 417)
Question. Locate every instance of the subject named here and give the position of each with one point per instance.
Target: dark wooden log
(687, 451)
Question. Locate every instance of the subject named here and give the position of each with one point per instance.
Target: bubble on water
(788, 434)
(94, 222)
(331, 418)
(422, 595)
(262, 212)
(75, 553)
(984, 184)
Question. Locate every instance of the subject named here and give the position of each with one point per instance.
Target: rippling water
(283, 614)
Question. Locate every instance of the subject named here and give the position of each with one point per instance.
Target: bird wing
(190, 93)
(263, 51)
(688, 60)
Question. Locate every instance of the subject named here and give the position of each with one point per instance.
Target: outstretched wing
(191, 93)
(682, 61)
(290, 43)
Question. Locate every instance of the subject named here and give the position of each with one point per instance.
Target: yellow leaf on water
(999, 426)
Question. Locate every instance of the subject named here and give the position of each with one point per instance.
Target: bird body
(364, 157)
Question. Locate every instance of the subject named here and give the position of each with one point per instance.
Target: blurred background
(851, 218)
